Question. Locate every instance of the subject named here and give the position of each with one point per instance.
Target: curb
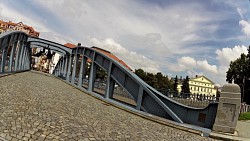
(227, 137)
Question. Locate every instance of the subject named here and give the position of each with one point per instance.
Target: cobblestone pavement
(39, 107)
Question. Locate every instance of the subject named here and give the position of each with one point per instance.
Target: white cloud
(186, 63)
(133, 59)
(226, 55)
(203, 65)
(189, 64)
(245, 27)
(239, 10)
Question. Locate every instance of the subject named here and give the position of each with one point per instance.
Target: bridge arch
(147, 98)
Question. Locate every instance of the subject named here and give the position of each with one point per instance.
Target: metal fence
(244, 108)
(14, 52)
(189, 96)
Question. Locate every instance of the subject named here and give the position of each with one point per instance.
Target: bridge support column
(92, 76)
(139, 99)
(110, 84)
(19, 45)
(12, 54)
(4, 56)
(228, 109)
(76, 58)
(65, 66)
(21, 56)
(24, 55)
(82, 71)
(69, 67)
(61, 67)
(57, 69)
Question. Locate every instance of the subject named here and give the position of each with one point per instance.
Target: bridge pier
(228, 109)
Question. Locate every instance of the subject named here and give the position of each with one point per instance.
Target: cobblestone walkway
(34, 106)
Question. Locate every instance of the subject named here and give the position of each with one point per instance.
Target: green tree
(239, 73)
(157, 81)
(140, 73)
(185, 85)
(175, 84)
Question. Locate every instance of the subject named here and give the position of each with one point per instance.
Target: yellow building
(200, 85)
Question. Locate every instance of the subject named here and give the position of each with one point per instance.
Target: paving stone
(35, 106)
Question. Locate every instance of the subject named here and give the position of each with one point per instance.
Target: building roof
(69, 45)
(200, 77)
(6, 26)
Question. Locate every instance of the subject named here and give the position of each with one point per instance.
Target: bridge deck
(39, 107)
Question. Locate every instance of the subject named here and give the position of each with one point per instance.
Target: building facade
(200, 85)
(10, 26)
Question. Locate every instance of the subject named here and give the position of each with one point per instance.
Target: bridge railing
(15, 54)
(73, 69)
(190, 96)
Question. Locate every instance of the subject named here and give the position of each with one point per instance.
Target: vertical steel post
(21, 56)
(65, 66)
(4, 55)
(76, 58)
(17, 57)
(82, 70)
(58, 68)
(92, 74)
(12, 54)
(69, 66)
(109, 84)
(139, 99)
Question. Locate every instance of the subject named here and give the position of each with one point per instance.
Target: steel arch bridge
(15, 50)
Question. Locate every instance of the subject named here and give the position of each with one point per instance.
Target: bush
(244, 116)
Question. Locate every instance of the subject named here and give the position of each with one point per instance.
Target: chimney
(196, 76)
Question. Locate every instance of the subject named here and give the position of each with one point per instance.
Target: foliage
(244, 116)
(175, 84)
(239, 73)
(158, 80)
(185, 85)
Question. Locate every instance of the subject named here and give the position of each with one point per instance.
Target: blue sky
(176, 37)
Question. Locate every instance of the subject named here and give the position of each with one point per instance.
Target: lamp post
(243, 90)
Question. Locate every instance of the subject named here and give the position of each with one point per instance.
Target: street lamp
(243, 89)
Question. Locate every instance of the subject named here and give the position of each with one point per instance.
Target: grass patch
(244, 116)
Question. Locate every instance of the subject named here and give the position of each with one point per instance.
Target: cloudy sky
(175, 37)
